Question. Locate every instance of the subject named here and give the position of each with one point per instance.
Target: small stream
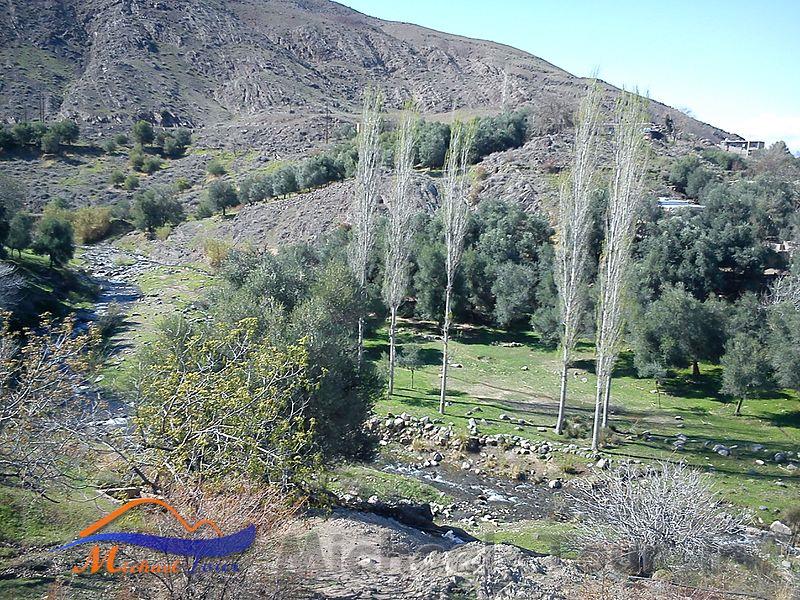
(483, 495)
(113, 271)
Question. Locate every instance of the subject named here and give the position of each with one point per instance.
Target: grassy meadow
(511, 373)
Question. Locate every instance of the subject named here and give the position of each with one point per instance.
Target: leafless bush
(551, 116)
(232, 505)
(666, 516)
(45, 422)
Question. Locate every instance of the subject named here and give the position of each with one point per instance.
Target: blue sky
(732, 63)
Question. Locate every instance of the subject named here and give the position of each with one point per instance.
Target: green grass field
(521, 380)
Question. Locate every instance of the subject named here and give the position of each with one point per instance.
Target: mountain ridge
(208, 63)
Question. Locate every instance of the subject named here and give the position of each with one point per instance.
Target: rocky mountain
(250, 69)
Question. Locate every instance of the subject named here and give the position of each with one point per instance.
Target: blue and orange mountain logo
(198, 548)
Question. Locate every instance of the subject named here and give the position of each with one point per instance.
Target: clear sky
(732, 63)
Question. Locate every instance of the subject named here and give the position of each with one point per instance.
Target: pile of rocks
(405, 429)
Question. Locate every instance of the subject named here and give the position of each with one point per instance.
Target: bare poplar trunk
(392, 347)
(401, 208)
(363, 212)
(360, 341)
(574, 233)
(445, 348)
(598, 405)
(624, 203)
(455, 215)
(606, 401)
(562, 397)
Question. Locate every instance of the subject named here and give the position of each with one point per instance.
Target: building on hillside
(788, 247)
(670, 204)
(743, 147)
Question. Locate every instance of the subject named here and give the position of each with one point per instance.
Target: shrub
(41, 375)
(432, 141)
(577, 428)
(51, 143)
(109, 146)
(284, 181)
(20, 232)
(182, 184)
(142, 132)
(91, 223)
(22, 133)
(318, 170)
(689, 176)
(216, 251)
(204, 209)
(136, 158)
(54, 237)
(300, 290)
(244, 393)
(236, 502)
(6, 138)
(696, 181)
(222, 194)
(66, 130)
(121, 139)
(262, 189)
(131, 182)
(151, 164)
(659, 518)
(154, 208)
(215, 168)
(163, 232)
(494, 134)
(175, 143)
(727, 160)
(117, 177)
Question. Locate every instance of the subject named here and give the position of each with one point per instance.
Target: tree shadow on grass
(416, 400)
(707, 385)
(427, 356)
(789, 419)
(740, 465)
(622, 368)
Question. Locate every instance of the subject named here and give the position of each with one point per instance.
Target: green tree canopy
(155, 207)
(678, 330)
(246, 413)
(222, 195)
(54, 237)
(142, 133)
(746, 368)
(20, 232)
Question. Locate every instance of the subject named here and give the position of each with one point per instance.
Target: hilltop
(246, 71)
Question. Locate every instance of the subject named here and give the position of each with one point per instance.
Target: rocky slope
(244, 66)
